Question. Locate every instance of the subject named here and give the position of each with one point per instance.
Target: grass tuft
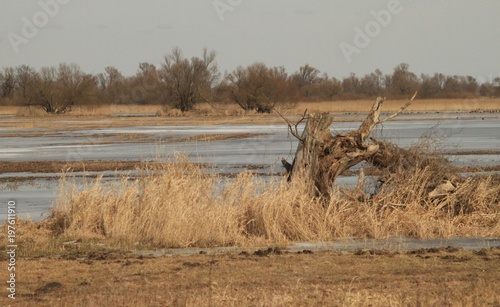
(180, 204)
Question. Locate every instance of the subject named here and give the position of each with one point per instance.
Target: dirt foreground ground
(427, 277)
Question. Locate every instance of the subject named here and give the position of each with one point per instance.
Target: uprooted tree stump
(321, 157)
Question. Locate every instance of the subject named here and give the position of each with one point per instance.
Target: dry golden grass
(35, 111)
(362, 106)
(202, 109)
(375, 278)
(108, 110)
(178, 204)
(229, 110)
(9, 110)
(181, 194)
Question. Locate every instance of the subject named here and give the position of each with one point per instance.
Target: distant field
(204, 109)
(392, 105)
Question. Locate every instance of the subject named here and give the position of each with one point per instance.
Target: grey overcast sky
(449, 36)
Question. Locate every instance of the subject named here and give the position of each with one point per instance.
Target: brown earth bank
(68, 167)
(426, 277)
(65, 166)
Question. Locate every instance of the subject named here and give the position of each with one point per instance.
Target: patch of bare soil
(438, 277)
(30, 134)
(65, 166)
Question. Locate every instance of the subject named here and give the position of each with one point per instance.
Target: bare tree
(305, 78)
(351, 84)
(259, 88)
(25, 79)
(146, 68)
(112, 85)
(326, 88)
(403, 81)
(452, 84)
(496, 86)
(431, 86)
(470, 85)
(109, 78)
(189, 82)
(56, 90)
(146, 86)
(487, 89)
(7, 82)
(372, 84)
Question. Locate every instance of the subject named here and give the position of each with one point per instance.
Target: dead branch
(406, 105)
(294, 131)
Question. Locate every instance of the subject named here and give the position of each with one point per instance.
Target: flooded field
(468, 141)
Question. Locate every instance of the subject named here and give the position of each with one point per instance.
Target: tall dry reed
(179, 204)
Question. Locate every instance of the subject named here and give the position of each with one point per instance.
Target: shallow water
(459, 135)
(228, 155)
(33, 200)
(392, 244)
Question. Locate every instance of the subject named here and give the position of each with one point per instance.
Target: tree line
(181, 82)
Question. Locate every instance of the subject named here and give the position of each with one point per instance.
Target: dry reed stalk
(296, 108)
(179, 204)
(427, 105)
